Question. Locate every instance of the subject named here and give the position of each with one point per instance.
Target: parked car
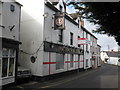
(23, 73)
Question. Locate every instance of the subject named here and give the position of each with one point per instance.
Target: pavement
(106, 76)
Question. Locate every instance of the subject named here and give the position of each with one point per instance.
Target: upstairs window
(61, 8)
(78, 44)
(61, 36)
(71, 38)
(12, 8)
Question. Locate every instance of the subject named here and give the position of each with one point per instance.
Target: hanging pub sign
(59, 21)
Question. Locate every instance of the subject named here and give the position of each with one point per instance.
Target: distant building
(110, 57)
(99, 62)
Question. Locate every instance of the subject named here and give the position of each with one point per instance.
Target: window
(61, 8)
(78, 23)
(12, 8)
(8, 62)
(86, 47)
(71, 38)
(86, 62)
(4, 67)
(71, 60)
(61, 36)
(59, 61)
(78, 44)
(78, 60)
(0, 66)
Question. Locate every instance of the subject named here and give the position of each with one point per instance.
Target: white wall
(0, 19)
(52, 35)
(31, 35)
(9, 19)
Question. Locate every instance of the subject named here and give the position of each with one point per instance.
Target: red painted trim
(49, 62)
(75, 61)
(81, 61)
(81, 38)
(67, 61)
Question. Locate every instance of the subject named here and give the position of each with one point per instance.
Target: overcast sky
(103, 40)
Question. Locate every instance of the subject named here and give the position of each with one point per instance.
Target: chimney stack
(81, 23)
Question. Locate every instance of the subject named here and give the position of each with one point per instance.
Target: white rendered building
(46, 50)
(9, 40)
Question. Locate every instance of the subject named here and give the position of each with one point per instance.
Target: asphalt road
(107, 76)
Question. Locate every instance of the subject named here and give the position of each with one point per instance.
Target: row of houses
(42, 37)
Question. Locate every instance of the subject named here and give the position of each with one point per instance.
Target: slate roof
(113, 54)
(74, 15)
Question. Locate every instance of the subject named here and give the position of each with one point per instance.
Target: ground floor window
(8, 62)
(71, 60)
(86, 62)
(59, 61)
(0, 66)
(78, 60)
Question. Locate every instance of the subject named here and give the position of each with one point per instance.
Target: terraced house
(9, 40)
(51, 41)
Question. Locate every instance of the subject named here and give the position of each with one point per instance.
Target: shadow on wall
(31, 37)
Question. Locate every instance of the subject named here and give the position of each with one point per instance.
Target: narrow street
(106, 76)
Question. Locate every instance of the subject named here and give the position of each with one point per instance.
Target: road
(107, 76)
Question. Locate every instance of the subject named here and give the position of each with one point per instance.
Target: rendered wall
(31, 35)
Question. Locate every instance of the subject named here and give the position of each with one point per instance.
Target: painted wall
(9, 19)
(0, 19)
(31, 35)
(52, 35)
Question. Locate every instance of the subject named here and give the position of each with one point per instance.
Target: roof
(15, 1)
(113, 53)
(74, 15)
(54, 2)
(88, 31)
(98, 45)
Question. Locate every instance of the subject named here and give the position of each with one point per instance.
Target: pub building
(50, 37)
(9, 41)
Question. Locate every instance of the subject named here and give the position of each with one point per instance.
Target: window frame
(79, 44)
(61, 36)
(9, 58)
(71, 38)
(12, 7)
(58, 61)
(71, 60)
